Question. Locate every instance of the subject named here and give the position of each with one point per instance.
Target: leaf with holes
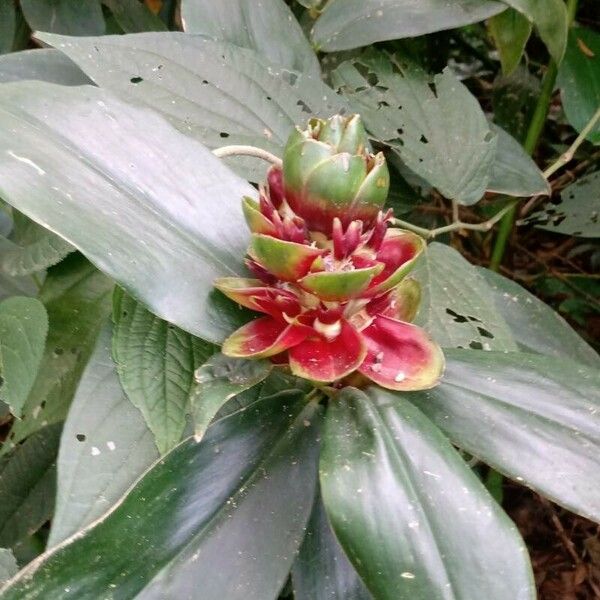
(218, 380)
(534, 418)
(105, 446)
(213, 91)
(156, 363)
(457, 306)
(434, 124)
(23, 329)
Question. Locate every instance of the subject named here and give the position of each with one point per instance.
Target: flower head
(331, 281)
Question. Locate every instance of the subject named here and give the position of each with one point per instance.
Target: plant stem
(247, 151)
(534, 131)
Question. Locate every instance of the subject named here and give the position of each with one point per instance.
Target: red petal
(401, 356)
(321, 360)
(264, 337)
(398, 252)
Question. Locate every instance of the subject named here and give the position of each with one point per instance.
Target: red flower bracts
(330, 274)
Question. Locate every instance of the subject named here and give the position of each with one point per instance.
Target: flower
(335, 298)
(329, 171)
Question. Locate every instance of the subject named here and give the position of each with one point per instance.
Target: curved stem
(239, 150)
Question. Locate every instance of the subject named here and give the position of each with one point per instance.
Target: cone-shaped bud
(329, 171)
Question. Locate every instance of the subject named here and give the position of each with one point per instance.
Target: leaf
(133, 16)
(386, 472)
(28, 485)
(77, 299)
(213, 91)
(218, 380)
(579, 80)
(43, 65)
(514, 172)
(156, 363)
(510, 30)
(8, 28)
(457, 307)
(435, 125)
(225, 516)
(8, 565)
(322, 571)
(346, 24)
(71, 17)
(96, 158)
(105, 446)
(577, 213)
(551, 21)
(267, 27)
(16, 286)
(534, 325)
(33, 248)
(23, 329)
(534, 418)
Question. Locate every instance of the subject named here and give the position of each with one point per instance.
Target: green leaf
(413, 518)
(577, 213)
(434, 124)
(71, 17)
(156, 363)
(105, 446)
(534, 418)
(216, 92)
(534, 325)
(8, 26)
(579, 80)
(100, 173)
(77, 298)
(33, 248)
(255, 469)
(16, 286)
(322, 571)
(510, 30)
(43, 65)
(217, 381)
(267, 27)
(514, 172)
(28, 485)
(347, 24)
(550, 19)
(8, 565)
(457, 306)
(23, 329)
(133, 16)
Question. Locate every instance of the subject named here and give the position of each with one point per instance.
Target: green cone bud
(329, 171)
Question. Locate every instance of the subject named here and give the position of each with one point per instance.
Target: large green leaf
(71, 17)
(133, 16)
(216, 92)
(550, 19)
(347, 24)
(8, 25)
(322, 571)
(217, 381)
(514, 172)
(45, 65)
(32, 248)
(156, 363)
(411, 515)
(105, 446)
(579, 80)
(534, 325)
(8, 565)
(223, 518)
(268, 27)
(23, 329)
(534, 418)
(458, 307)
(77, 298)
(577, 212)
(510, 30)
(135, 196)
(28, 485)
(434, 124)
